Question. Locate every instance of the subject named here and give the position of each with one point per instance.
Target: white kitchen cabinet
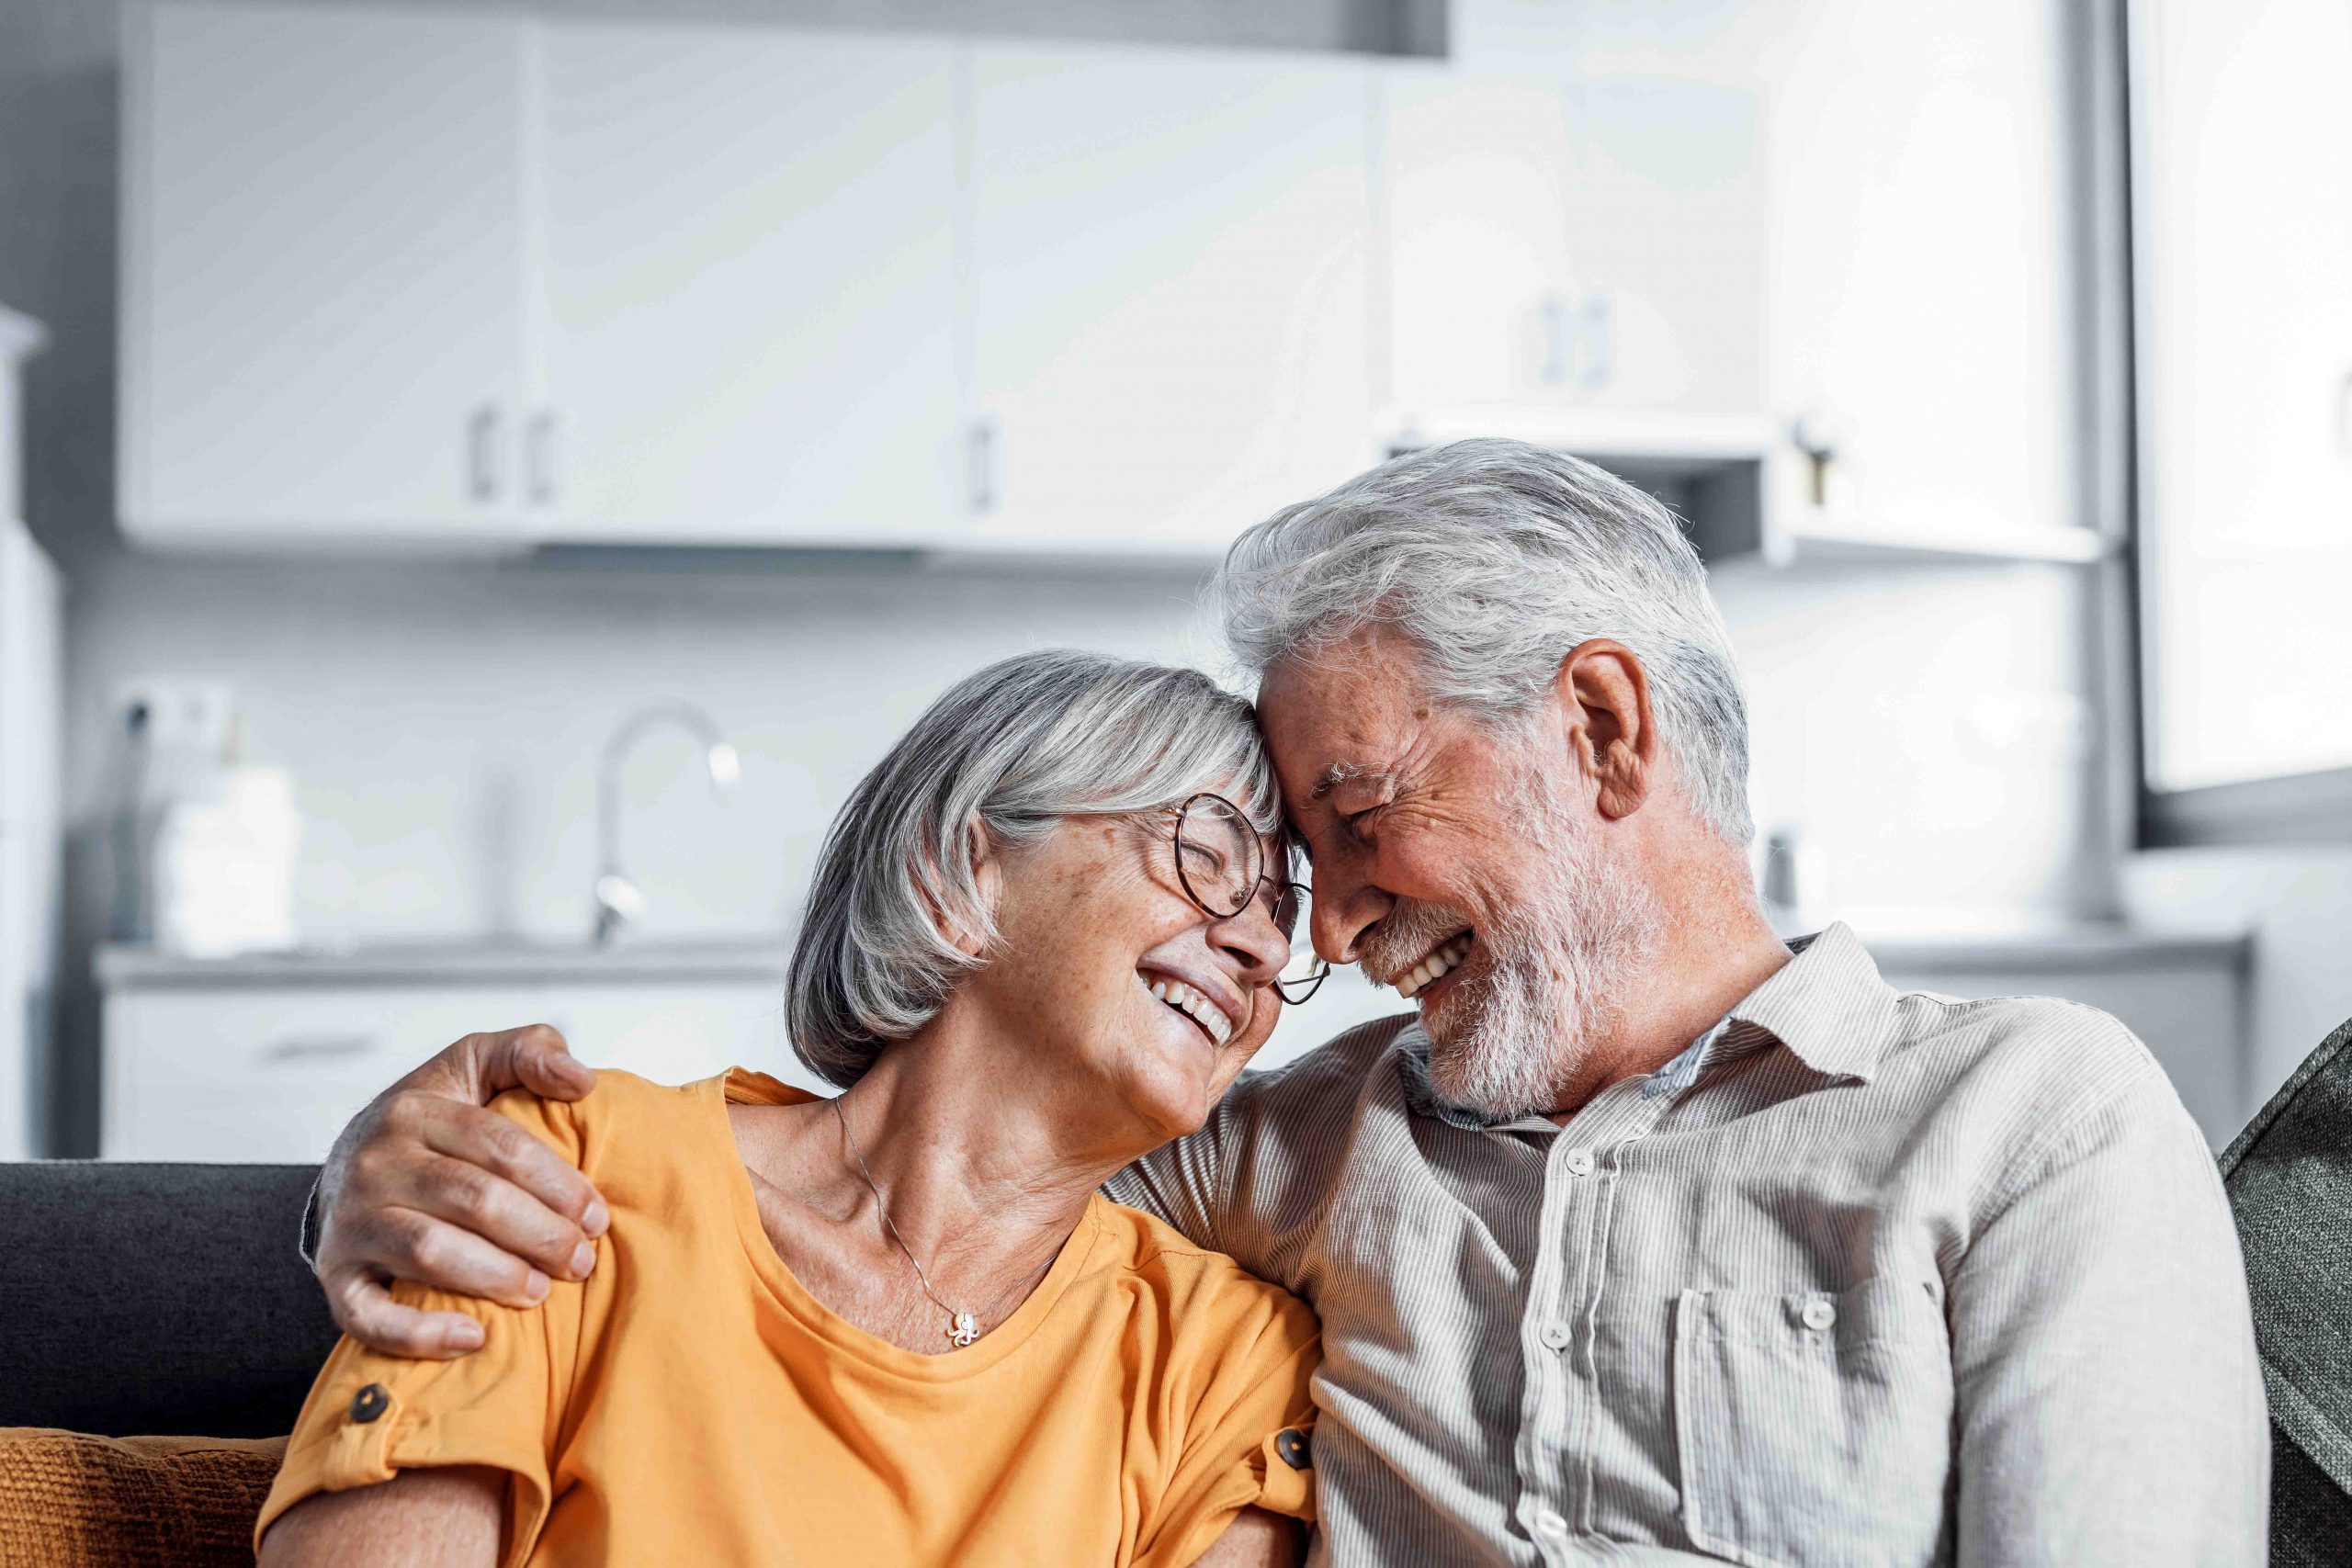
(1558, 241)
(1921, 301)
(746, 297)
(237, 1069)
(323, 275)
(269, 1073)
(1170, 263)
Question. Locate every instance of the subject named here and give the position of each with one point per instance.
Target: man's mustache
(1404, 936)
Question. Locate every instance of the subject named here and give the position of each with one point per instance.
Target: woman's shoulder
(624, 1120)
(1196, 1286)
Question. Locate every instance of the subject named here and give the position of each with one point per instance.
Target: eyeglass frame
(1321, 970)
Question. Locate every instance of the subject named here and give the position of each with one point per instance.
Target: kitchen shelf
(1732, 481)
(1813, 539)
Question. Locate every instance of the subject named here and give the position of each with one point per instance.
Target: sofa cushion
(2289, 1180)
(78, 1501)
(156, 1297)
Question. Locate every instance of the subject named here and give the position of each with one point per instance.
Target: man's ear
(1604, 695)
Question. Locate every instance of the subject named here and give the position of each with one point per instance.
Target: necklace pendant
(966, 1330)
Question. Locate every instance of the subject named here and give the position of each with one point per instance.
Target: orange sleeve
(1249, 1440)
(370, 1416)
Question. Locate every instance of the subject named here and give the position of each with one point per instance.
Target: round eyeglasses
(1221, 860)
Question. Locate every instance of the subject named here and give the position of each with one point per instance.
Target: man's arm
(420, 1518)
(427, 1184)
(2110, 1406)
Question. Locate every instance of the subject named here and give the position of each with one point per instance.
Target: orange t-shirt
(690, 1402)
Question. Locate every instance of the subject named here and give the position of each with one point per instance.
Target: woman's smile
(1208, 1014)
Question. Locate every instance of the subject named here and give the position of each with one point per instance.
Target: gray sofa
(156, 1297)
(169, 1298)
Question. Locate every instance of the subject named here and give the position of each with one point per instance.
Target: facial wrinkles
(1557, 953)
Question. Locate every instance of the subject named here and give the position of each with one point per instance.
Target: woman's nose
(1255, 944)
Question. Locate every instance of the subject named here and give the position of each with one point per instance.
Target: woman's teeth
(1182, 997)
(1441, 963)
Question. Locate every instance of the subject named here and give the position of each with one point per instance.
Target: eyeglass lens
(1221, 860)
(1217, 854)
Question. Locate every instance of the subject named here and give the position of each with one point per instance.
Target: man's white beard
(1554, 973)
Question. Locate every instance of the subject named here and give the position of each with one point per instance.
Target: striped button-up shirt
(1860, 1278)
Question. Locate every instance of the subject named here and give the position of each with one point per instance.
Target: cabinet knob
(482, 453)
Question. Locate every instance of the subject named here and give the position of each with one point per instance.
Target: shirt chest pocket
(1814, 1426)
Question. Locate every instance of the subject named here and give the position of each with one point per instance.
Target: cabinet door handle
(980, 460)
(318, 1047)
(1597, 336)
(1554, 314)
(482, 453)
(539, 456)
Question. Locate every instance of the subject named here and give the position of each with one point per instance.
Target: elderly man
(1645, 1237)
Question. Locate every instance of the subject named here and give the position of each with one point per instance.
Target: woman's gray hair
(1494, 558)
(1006, 753)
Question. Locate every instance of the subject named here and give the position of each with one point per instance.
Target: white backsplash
(443, 723)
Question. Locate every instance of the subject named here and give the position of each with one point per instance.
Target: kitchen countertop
(1902, 944)
(1926, 944)
(121, 967)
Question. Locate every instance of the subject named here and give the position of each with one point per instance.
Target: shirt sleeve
(2110, 1408)
(370, 1416)
(1185, 1181)
(1249, 1441)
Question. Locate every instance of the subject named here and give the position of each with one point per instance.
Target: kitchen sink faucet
(618, 900)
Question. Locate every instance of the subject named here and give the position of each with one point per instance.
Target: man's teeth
(1177, 994)
(1436, 965)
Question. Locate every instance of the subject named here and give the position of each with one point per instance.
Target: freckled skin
(1077, 914)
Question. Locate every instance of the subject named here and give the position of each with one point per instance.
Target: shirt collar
(1828, 1005)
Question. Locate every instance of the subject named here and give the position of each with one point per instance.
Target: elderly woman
(902, 1326)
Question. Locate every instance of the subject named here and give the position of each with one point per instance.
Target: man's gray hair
(1494, 558)
(1006, 753)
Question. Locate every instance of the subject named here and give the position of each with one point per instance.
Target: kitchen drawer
(291, 1126)
(265, 1039)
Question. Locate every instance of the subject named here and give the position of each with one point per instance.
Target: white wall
(443, 722)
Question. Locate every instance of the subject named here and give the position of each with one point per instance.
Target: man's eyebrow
(1339, 773)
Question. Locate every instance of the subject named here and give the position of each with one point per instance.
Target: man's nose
(1343, 907)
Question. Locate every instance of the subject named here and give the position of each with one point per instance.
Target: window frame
(2306, 808)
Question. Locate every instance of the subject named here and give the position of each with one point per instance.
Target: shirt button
(1818, 1313)
(370, 1402)
(1549, 1523)
(1579, 1162)
(1555, 1337)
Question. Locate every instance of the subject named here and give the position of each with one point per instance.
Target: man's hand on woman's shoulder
(427, 1184)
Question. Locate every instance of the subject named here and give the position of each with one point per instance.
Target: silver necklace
(963, 1328)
